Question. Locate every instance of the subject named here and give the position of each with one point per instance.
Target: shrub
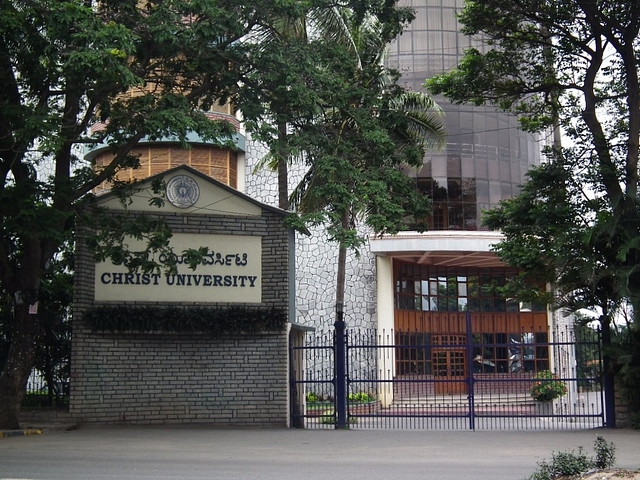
(605, 453)
(547, 387)
(361, 397)
(571, 464)
(313, 397)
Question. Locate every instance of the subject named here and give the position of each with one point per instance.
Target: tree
(291, 73)
(284, 87)
(65, 66)
(570, 64)
(80, 74)
(358, 144)
(328, 103)
(325, 101)
(54, 315)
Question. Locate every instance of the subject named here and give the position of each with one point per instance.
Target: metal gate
(408, 381)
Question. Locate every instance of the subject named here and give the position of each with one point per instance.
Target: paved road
(160, 453)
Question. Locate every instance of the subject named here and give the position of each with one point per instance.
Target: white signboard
(232, 273)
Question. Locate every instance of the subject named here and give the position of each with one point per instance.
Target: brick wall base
(175, 378)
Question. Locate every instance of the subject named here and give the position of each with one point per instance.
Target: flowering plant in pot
(547, 387)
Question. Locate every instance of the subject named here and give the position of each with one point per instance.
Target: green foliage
(546, 387)
(546, 237)
(626, 365)
(328, 418)
(327, 101)
(572, 464)
(605, 453)
(563, 464)
(108, 74)
(114, 240)
(53, 349)
(312, 397)
(53, 353)
(360, 178)
(539, 67)
(361, 397)
(217, 322)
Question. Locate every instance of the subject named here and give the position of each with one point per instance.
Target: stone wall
(622, 410)
(153, 377)
(316, 260)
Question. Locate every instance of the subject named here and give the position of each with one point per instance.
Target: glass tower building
(486, 156)
(438, 284)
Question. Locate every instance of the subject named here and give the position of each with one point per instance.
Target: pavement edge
(20, 433)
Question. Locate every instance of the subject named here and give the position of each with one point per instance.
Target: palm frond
(371, 45)
(303, 198)
(280, 31)
(332, 24)
(427, 129)
(424, 119)
(269, 161)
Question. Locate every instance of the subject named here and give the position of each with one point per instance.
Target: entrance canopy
(446, 248)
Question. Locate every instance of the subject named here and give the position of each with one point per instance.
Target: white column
(241, 186)
(386, 354)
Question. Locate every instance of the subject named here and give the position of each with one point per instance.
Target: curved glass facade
(486, 156)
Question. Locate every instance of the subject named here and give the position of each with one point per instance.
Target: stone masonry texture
(316, 259)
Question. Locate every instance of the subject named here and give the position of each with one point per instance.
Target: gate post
(608, 379)
(469, 368)
(340, 378)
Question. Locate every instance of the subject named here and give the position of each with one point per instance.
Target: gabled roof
(214, 197)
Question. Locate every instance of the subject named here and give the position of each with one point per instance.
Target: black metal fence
(48, 384)
(41, 392)
(398, 380)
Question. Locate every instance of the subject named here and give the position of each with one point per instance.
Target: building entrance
(449, 360)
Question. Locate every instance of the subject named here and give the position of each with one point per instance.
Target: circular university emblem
(182, 191)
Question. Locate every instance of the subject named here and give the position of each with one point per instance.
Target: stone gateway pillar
(198, 346)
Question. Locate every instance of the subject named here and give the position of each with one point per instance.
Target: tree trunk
(283, 170)
(16, 371)
(342, 264)
(608, 376)
(340, 335)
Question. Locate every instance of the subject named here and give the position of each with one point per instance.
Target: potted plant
(546, 388)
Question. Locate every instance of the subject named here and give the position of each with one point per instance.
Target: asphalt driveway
(160, 453)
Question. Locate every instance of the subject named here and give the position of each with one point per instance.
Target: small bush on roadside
(571, 464)
(605, 453)
(565, 464)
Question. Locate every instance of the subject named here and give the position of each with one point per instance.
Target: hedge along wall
(127, 369)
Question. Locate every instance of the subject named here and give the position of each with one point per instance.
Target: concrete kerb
(38, 430)
(20, 433)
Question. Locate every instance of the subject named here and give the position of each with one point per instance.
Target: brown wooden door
(449, 361)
